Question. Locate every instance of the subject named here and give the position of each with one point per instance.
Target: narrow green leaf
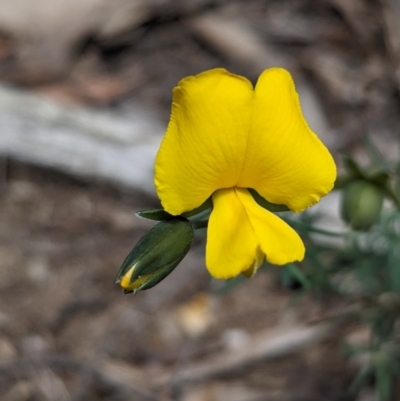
(383, 382)
(299, 275)
(361, 380)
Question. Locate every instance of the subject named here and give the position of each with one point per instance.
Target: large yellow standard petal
(285, 161)
(204, 147)
(232, 247)
(277, 240)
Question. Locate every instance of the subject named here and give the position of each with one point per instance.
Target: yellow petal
(285, 161)
(278, 241)
(204, 147)
(231, 244)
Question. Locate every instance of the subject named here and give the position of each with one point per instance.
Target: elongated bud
(361, 204)
(156, 254)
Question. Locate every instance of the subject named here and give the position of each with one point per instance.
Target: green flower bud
(361, 204)
(156, 254)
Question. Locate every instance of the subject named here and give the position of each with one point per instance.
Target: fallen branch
(83, 142)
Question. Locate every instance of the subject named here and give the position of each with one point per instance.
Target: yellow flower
(225, 137)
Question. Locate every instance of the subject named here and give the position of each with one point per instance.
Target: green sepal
(154, 214)
(156, 255)
(272, 207)
(162, 215)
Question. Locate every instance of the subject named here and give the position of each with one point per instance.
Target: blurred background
(85, 92)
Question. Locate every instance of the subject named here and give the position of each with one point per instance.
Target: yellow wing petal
(231, 244)
(278, 241)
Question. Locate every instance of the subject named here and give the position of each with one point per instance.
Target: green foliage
(364, 271)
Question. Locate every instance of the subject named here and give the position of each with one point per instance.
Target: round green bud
(361, 204)
(156, 255)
